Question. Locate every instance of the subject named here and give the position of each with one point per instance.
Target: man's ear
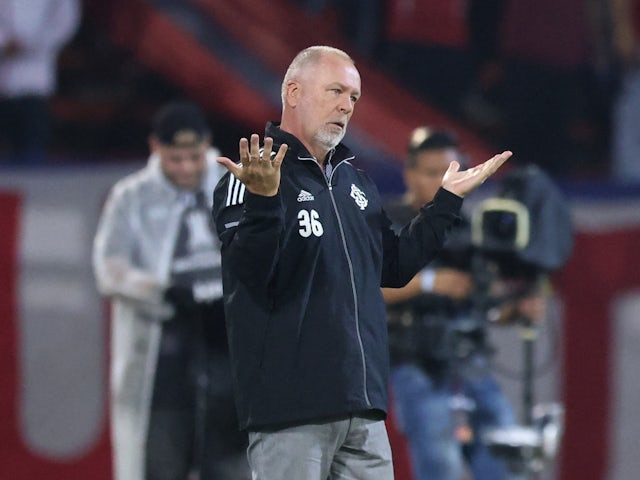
(292, 93)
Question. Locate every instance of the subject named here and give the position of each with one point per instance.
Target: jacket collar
(341, 152)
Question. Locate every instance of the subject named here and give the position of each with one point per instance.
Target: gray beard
(329, 139)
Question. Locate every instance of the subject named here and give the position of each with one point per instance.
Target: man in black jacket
(306, 246)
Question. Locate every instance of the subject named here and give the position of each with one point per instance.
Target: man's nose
(346, 105)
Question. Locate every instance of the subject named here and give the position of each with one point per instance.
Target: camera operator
(439, 349)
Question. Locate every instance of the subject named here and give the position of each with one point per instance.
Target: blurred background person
(439, 350)
(625, 16)
(518, 72)
(481, 102)
(425, 45)
(32, 34)
(156, 256)
(551, 99)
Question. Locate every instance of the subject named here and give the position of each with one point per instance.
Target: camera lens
(500, 227)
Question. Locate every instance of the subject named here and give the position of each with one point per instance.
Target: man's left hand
(462, 182)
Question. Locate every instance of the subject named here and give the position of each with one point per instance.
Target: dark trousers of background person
(193, 424)
(25, 127)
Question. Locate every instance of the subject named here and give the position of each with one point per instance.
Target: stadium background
(129, 57)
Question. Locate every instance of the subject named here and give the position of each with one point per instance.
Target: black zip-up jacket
(302, 273)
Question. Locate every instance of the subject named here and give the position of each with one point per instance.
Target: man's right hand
(260, 173)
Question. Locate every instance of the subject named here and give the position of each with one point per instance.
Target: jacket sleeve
(114, 249)
(250, 228)
(418, 242)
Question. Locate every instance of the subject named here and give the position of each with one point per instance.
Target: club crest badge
(359, 196)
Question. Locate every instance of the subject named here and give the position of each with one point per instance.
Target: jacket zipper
(349, 263)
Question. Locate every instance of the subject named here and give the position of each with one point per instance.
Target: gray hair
(307, 57)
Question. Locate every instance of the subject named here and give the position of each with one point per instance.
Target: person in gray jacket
(156, 257)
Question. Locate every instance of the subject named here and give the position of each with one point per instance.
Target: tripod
(529, 446)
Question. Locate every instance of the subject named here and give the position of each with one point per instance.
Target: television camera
(523, 233)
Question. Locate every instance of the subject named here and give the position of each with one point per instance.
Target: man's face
(424, 179)
(328, 92)
(183, 166)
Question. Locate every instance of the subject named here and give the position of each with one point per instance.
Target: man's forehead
(334, 69)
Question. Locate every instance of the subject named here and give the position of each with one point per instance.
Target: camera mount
(525, 232)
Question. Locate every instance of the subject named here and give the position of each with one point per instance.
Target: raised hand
(260, 173)
(463, 182)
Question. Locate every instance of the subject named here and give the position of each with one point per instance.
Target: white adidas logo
(305, 196)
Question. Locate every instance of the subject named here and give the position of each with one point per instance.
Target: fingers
(268, 146)
(274, 158)
(258, 170)
(488, 168)
(277, 160)
(453, 167)
(230, 165)
(250, 151)
(254, 152)
(495, 162)
(461, 183)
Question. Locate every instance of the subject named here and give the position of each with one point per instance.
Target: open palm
(462, 182)
(258, 171)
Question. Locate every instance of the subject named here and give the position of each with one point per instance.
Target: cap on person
(180, 124)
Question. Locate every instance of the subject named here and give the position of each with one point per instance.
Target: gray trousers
(353, 448)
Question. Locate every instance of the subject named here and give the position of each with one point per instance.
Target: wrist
(263, 191)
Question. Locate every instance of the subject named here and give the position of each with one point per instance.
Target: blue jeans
(422, 407)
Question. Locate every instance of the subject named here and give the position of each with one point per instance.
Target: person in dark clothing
(306, 246)
(440, 351)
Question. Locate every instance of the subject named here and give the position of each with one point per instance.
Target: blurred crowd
(553, 80)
